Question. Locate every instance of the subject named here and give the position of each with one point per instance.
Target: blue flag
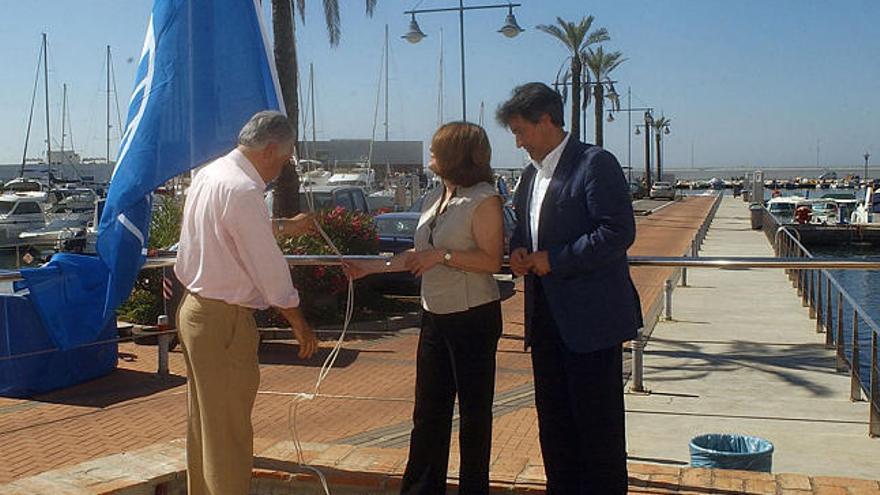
(205, 69)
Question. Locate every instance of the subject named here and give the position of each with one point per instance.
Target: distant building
(397, 156)
(64, 157)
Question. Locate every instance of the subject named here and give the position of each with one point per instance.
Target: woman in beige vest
(458, 246)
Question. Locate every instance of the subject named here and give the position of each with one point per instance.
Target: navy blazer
(586, 226)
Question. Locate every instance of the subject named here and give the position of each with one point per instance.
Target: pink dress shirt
(227, 249)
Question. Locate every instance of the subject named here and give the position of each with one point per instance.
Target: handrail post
(638, 363)
(855, 388)
(805, 275)
(799, 276)
(838, 342)
(829, 321)
(874, 421)
(164, 341)
(811, 294)
(819, 311)
(668, 298)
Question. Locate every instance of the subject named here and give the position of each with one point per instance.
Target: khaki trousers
(219, 343)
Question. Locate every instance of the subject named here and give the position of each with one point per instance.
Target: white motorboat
(20, 212)
(868, 211)
(783, 207)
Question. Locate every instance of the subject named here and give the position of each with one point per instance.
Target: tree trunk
(659, 157)
(285, 201)
(576, 69)
(598, 102)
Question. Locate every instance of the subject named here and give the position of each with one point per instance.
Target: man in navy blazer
(575, 224)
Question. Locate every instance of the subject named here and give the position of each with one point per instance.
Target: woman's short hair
(462, 154)
(530, 101)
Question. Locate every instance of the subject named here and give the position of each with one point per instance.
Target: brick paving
(365, 405)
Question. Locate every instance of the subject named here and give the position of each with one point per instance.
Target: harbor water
(862, 286)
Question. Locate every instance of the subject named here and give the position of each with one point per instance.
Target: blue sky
(746, 82)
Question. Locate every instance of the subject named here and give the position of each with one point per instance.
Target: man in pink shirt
(230, 264)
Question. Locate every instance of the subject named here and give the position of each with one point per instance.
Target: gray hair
(266, 127)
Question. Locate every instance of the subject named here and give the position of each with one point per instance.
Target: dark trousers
(579, 398)
(456, 355)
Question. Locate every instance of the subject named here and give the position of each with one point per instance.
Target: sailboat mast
(386, 82)
(440, 90)
(312, 98)
(27, 135)
(46, 91)
(63, 117)
(108, 103)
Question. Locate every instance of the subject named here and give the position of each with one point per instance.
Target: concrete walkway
(742, 355)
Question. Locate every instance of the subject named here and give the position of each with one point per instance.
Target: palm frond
(588, 95)
(598, 36)
(613, 96)
(601, 64)
(371, 7)
(555, 32)
(572, 33)
(563, 74)
(331, 17)
(612, 61)
(301, 8)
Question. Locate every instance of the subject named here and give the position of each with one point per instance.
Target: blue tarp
(205, 69)
(22, 332)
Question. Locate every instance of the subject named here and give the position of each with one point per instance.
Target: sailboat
(71, 208)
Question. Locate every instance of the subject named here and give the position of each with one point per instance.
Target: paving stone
(794, 482)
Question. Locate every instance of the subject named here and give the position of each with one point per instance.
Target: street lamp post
(866, 156)
(510, 29)
(661, 127)
(584, 84)
(649, 122)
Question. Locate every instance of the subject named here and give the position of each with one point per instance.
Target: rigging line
(93, 103)
(301, 118)
(116, 97)
(67, 129)
(27, 135)
(69, 125)
(376, 108)
(639, 100)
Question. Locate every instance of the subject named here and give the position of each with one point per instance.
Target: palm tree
(661, 126)
(286, 198)
(576, 38)
(599, 67)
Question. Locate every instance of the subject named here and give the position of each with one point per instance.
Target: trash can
(756, 212)
(745, 194)
(731, 451)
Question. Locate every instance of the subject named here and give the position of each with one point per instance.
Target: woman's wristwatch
(447, 257)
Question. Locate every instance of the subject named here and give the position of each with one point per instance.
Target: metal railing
(808, 274)
(652, 315)
(826, 300)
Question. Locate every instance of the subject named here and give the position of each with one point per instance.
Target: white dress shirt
(227, 249)
(544, 169)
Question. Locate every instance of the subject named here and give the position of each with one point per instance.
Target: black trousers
(579, 398)
(456, 355)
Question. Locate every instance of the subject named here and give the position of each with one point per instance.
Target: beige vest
(444, 289)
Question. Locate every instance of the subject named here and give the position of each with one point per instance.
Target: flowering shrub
(351, 232)
(145, 303)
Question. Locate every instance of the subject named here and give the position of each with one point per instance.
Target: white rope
(329, 361)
